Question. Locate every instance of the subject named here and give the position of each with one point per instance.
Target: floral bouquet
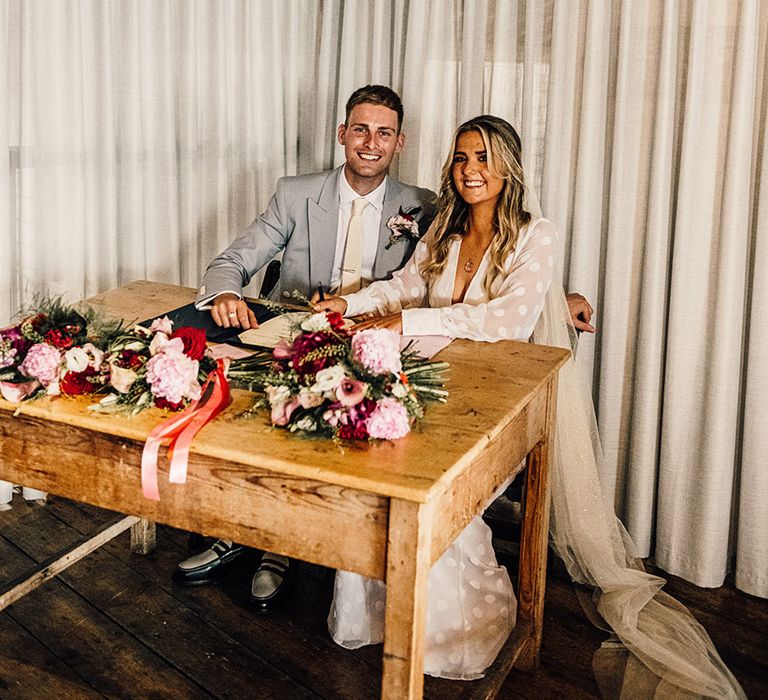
(57, 350)
(155, 366)
(328, 382)
(54, 350)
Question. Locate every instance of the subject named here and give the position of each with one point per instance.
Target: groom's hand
(230, 311)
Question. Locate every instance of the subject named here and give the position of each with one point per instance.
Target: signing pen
(320, 295)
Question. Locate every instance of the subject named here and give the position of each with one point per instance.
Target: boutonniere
(403, 226)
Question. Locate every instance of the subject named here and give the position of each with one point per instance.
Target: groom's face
(370, 139)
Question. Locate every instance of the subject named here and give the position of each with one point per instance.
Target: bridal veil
(657, 649)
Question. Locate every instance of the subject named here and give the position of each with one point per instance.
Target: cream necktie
(351, 270)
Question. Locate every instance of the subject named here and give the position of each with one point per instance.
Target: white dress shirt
(371, 223)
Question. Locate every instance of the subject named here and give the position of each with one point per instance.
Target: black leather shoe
(271, 582)
(206, 566)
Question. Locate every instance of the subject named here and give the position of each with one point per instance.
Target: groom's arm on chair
(581, 312)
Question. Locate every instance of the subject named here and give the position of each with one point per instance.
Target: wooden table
(387, 511)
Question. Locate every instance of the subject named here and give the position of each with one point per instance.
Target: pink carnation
(43, 362)
(378, 350)
(173, 376)
(389, 420)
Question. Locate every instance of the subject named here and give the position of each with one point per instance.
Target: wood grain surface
(488, 384)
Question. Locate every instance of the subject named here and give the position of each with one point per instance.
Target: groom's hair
(376, 95)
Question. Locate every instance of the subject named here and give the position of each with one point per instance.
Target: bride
(485, 271)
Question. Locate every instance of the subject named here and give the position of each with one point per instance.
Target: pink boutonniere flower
(403, 226)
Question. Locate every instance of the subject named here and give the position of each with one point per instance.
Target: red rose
(314, 351)
(193, 339)
(356, 429)
(130, 359)
(337, 322)
(84, 382)
(59, 339)
(160, 402)
(353, 432)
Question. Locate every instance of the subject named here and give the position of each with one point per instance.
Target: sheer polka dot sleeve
(517, 299)
(405, 290)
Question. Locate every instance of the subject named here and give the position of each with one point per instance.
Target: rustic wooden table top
(416, 468)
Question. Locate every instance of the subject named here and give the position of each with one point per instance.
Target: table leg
(533, 543)
(405, 616)
(143, 536)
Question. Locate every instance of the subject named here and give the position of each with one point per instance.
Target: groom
(331, 228)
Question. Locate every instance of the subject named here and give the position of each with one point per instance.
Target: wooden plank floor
(114, 625)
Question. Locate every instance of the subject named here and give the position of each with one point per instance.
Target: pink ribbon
(180, 430)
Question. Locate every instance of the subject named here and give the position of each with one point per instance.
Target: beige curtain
(143, 134)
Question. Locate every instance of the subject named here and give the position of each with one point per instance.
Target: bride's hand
(336, 304)
(393, 322)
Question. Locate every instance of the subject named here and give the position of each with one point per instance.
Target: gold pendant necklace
(469, 266)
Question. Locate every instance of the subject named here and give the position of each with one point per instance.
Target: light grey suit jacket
(302, 220)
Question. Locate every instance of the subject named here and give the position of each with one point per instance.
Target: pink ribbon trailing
(180, 430)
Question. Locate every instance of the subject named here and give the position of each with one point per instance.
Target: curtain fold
(143, 135)
(751, 547)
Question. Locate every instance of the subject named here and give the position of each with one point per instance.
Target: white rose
(158, 343)
(306, 423)
(95, 356)
(328, 379)
(316, 322)
(76, 359)
(122, 378)
(277, 394)
(309, 399)
(399, 391)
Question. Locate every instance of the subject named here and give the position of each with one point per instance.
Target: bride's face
(474, 182)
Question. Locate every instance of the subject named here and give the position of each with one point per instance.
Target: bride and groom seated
(334, 228)
(482, 272)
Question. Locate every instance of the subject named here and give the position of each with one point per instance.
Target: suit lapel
(388, 260)
(323, 221)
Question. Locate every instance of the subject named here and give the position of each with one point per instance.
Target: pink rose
(283, 410)
(164, 325)
(18, 392)
(43, 362)
(283, 350)
(389, 420)
(173, 376)
(377, 350)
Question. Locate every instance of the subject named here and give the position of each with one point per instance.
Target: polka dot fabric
(511, 313)
(471, 608)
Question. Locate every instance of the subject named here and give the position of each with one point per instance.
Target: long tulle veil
(663, 652)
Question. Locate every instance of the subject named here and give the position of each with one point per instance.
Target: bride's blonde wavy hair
(504, 157)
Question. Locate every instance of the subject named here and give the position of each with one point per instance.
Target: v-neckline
(455, 270)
